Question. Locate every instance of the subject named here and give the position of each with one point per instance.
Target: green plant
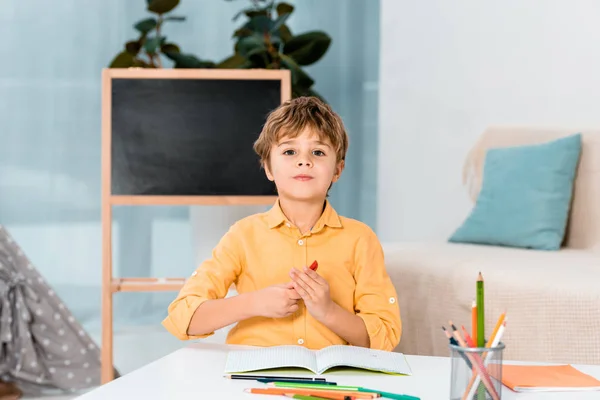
(145, 52)
(265, 41)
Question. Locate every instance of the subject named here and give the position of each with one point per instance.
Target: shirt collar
(329, 217)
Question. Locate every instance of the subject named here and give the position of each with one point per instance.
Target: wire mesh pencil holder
(476, 372)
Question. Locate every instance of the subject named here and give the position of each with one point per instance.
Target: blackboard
(189, 137)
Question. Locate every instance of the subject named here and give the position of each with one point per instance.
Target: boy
(349, 300)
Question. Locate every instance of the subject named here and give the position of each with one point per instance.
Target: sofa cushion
(583, 230)
(525, 196)
(548, 296)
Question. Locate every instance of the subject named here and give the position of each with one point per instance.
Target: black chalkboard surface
(189, 137)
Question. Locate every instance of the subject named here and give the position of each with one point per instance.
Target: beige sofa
(552, 298)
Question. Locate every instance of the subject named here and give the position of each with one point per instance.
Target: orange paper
(523, 378)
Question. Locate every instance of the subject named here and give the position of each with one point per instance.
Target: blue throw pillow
(525, 196)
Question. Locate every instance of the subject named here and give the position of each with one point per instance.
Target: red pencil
(314, 265)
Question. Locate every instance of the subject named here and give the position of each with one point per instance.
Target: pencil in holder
(476, 372)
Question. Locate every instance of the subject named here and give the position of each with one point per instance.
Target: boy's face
(303, 167)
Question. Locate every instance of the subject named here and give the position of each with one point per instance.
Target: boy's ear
(338, 170)
(268, 171)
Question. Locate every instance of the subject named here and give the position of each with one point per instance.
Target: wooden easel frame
(112, 285)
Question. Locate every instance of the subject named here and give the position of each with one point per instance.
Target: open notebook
(547, 378)
(317, 361)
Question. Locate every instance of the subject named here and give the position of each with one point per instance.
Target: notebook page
(270, 357)
(360, 357)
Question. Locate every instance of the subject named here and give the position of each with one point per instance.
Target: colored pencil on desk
(474, 320)
(294, 381)
(303, 397)
(480, 324)
(455, 343)
(496, 328)
(313, 386)
(337, 394)
(289, 378)
(476, 360)
(480, 312)
(381, 393)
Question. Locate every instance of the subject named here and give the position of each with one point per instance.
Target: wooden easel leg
(107, 368)
(107, 337)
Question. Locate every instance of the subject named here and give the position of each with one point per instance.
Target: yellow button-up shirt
(259, 251)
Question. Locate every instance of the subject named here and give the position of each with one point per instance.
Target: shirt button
(194, 273)
(287, 224)
(300, 242)
(300, 341)
(392, 300)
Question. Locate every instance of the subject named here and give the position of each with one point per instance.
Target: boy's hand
(276, 301)
(314, 290)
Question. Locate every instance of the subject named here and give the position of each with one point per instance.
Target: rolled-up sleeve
(375, 297)
(210, 281)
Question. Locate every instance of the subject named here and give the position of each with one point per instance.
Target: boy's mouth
(303, 177)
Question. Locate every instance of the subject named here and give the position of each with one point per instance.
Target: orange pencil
(474, 321)
(313, 392)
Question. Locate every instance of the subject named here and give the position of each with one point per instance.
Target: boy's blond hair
(292, 117)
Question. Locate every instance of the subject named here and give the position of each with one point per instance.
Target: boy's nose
(304, 163)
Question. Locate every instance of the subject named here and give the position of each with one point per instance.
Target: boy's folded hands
(281, 300)
(276, 301)
(314, 290)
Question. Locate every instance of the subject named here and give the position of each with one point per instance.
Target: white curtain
(53, 53)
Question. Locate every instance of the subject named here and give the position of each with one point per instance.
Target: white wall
(448, 69)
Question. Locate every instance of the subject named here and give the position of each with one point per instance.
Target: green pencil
(480, 313)
(480, 327)
(299, 385)
(345, 388)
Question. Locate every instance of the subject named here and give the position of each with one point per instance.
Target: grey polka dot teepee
(42, 346)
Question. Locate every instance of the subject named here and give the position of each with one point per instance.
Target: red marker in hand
(314, 265)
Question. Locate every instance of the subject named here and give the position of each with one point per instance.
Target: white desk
(196, 372)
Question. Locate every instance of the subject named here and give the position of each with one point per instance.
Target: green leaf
(233, 62)
(248, 43)
(259, 24)
(170, 48)
(133, 47)
(299, 77)
(141, 63)
(255, 13)
(284, 33)
(153, 43)
(146, 25)
(189, 61)
(122, 60)
(175, 18)
(242, 32)
(259, 57)
(162, 6)
(307, 48)
(284, 8)
(279, 22)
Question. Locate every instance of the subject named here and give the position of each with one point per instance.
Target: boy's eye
(318, 153)
(289, 152)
